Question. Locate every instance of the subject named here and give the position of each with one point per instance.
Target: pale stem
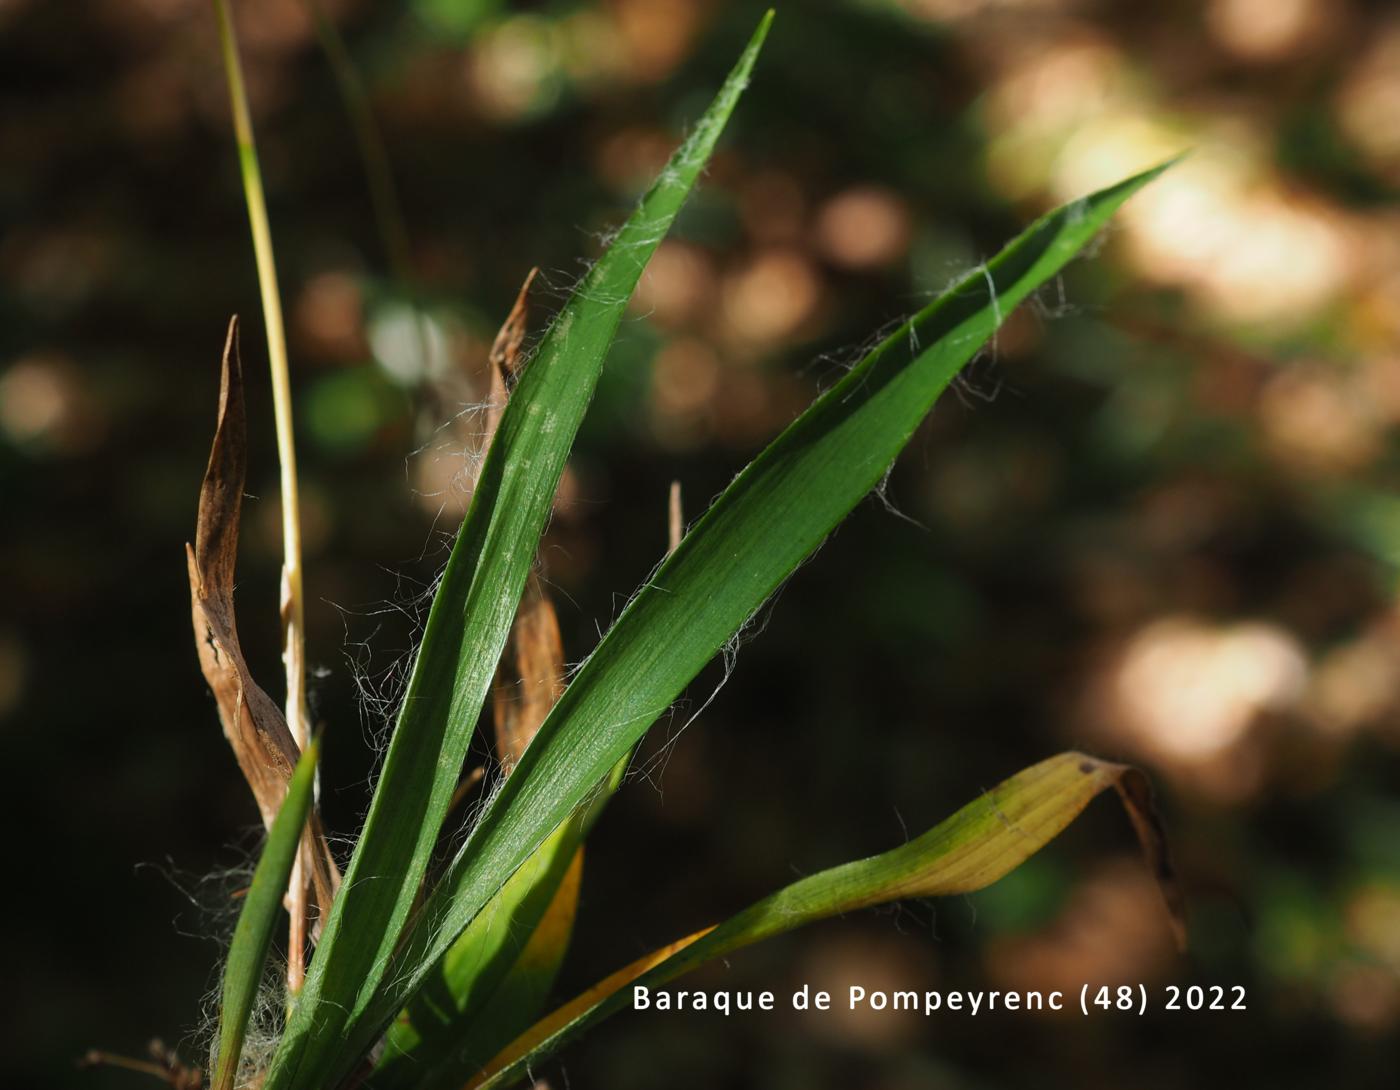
(293, 609)
(675, 520)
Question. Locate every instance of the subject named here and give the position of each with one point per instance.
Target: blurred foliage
(1160, 521)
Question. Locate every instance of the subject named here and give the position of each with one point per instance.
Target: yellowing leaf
(983, 841)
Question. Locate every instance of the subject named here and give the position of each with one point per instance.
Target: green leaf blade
(466, 631)
(769, 519)
(252, 936)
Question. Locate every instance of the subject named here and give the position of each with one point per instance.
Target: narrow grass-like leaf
(979, 844)
(495, 978)
(466, 630)
(252, 936)
(770, 518)
(489, 1014)
(440, 1036)
(293, 592)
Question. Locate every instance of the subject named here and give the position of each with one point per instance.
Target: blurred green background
(1159, 520)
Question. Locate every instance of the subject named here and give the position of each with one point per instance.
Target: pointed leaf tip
(371, 956)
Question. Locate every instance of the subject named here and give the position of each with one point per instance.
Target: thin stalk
(293, 599)
(95, 1058)
(379, 174)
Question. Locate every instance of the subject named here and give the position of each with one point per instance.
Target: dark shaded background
(1159, 521)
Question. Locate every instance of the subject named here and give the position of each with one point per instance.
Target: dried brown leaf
(253, 724)
(1135, 791)
(524, 692)
(505, 351)
(503, 361)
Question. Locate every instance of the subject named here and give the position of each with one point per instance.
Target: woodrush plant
(418, 983)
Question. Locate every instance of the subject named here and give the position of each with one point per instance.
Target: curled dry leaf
(505, 350)
(252, 722)
(1135, 792)
(503, 362)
